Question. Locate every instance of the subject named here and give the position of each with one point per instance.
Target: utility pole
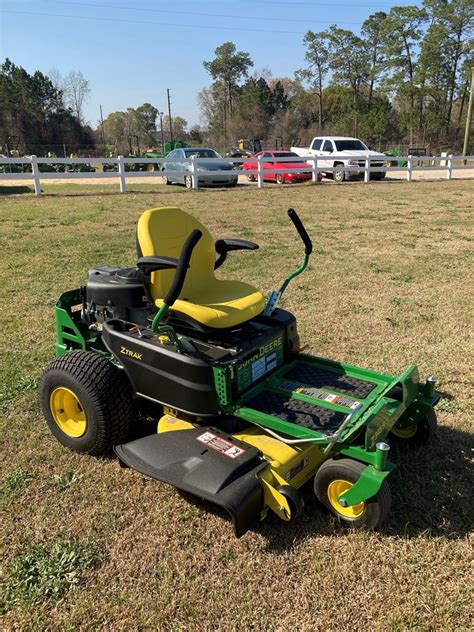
(162, 135)
(467, 131)
(169, 115)
(102, 129)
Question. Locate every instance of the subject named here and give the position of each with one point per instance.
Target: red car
(279, 164)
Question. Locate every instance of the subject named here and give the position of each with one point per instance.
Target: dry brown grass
(388, 286)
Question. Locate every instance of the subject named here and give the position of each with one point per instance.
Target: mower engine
(113, 292)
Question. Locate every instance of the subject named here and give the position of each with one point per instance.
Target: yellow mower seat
(209, 301)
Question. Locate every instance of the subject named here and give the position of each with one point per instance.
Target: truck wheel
(87, 402)
(339, 174)
(335, 477)
(418, 434)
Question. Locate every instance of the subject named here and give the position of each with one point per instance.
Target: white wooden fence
(447, 164)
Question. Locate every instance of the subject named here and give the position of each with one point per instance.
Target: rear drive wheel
(339, 174)
(416, 434)
(280, 178)
(334, 478)
(87, 402)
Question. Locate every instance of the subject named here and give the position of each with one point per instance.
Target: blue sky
(131, 51)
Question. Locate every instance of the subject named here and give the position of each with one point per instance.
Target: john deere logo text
(130, 353)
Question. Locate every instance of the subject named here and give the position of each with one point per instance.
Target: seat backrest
(163, 231)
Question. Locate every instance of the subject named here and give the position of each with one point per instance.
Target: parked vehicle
(280, 164)
(245, 147)
(207, 160)
(348, 152)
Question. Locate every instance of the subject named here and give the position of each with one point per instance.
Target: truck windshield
(351, 144)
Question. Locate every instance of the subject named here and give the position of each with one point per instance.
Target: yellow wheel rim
(404, 433)
(150, 167)
(67, 412)
(335, 490)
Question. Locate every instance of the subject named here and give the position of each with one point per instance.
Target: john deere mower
(244, 417)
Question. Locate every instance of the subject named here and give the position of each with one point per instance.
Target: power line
(127, 21)
(207, 15)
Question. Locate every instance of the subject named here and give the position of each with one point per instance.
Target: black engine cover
(116, 293)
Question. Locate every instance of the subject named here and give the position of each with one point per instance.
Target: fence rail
(122, 167)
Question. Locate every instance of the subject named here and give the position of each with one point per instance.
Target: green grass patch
(46, 572)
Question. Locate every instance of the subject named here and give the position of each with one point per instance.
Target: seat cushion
(220, 304)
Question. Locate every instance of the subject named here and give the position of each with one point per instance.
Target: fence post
(36, 174)
(367, 168)
(409, 168)
(259, 172)
(194, 174)
(449, 170)
(314, 173)
(121, 170)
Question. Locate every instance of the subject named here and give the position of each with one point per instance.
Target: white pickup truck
(340, 152)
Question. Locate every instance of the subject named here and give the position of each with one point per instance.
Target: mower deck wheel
(335, 477)
(87, 402)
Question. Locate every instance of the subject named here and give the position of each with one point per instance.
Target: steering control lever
(274, 297)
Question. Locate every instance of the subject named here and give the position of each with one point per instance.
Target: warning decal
(341, 400)
(220, 445)
(297, 469)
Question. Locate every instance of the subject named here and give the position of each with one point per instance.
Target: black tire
(339, 173)
(103, 392)
(421, 435)
(374, 510)
(294, 500)
(280, 178)
(188, 182)
(251, 178)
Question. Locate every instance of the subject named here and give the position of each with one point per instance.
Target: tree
(317, 65)
(454, 22)
(402, 30)
(145, 123)
(32, 111)
(350, 65)
(227, 69)
(76, 90)
(373, 31)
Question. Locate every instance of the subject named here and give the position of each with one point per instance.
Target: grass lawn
(88, 546)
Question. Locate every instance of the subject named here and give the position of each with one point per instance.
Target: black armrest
(152, 264)
(223, 246)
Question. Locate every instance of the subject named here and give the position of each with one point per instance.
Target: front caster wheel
(87, 402)
(417, 434)
(334, 478)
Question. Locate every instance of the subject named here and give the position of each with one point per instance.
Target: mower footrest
(205, 462)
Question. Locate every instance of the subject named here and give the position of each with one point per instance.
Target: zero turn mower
(244, 417)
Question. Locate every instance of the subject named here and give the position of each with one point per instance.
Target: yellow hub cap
(404, 433)
(335, 490)
(67, 412)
